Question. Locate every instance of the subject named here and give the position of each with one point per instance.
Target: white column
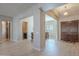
(39, 29)
(11, 30)
(59, 30)
(16, 29)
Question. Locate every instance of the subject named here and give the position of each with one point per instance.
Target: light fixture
(3, 22)
(65, 13)
(8, 21)
(68, 6)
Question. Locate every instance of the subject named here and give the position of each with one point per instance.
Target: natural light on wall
(51, 27)
(48, 18)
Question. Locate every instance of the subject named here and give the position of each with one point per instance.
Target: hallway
(53, 48)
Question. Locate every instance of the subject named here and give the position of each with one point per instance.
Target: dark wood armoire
(69, 31)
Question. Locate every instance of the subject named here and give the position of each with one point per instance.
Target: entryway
(24, 29)
(27, 28)
(6, 30)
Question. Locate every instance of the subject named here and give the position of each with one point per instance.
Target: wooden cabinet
(69, 31)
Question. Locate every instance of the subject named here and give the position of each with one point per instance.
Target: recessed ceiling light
(67, 6)
(65, 13)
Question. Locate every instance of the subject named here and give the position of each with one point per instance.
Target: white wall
(30, 26)
(16, 29)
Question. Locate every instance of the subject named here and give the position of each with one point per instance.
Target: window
(49, 27)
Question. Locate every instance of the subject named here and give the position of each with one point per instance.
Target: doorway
(24, 29)
(27, 28)
(6, 30)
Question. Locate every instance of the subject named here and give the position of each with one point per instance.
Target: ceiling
(64, 11)
(12, 9)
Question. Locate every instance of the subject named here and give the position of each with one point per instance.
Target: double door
(69, 31)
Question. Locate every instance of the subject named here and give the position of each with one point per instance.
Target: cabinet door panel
(69, 31)
(78, 30)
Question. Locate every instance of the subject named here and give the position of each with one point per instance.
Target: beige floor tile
(52, 48)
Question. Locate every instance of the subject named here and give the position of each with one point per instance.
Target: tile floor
(53, 48)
